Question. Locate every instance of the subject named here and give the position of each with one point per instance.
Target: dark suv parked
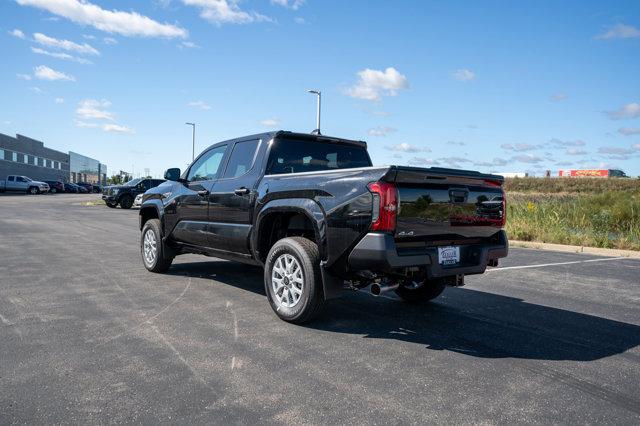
(126, 193)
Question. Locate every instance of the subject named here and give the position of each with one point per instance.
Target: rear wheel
(152, 248)
(292, 279)
(33, 190)
(429, 290)
(126, 201)
(53, 190)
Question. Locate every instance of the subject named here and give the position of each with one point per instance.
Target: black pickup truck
(315, 213)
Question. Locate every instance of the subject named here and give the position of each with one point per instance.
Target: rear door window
(297, 156)
(241, 159)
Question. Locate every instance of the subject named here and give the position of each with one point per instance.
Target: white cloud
(17, 33)
(59, 100)
(454, 161)
(109, 41)
(36, 89)
(527, 158)
(620, 31)
(497, 162)
(563, 144)
(289, 4)
(631, 110)
(24, 76)
(199, 104)
(64, 44)
(381, 131)
(225, 12)
(270, 122)
(113, 21)
(374, 83)
(43, 72)
(188, 45)
(575, 151)
(456, 143)
(519, 147)
(60, 55)
(464, 75)
(636, 147)
(406, 147)
(116, 128)
(93, 109)
(613, 150)
(80, 123)
(558, 97)
(299, 20)
(628, 131)
(422, 161)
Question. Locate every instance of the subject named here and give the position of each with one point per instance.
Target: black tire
(33, 190)
(428, 291)
(161, 262)
(53, 190)
(311, 300)
(111, 205)
(126, 201)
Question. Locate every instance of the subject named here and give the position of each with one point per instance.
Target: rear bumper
(378, 253)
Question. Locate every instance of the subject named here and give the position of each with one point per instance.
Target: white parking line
(554, 264)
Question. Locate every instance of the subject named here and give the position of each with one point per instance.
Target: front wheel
(152, 248)
(429, 290)
(111, 205)
(292, 279)
(126, 201)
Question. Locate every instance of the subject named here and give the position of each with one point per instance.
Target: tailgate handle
(458, 195)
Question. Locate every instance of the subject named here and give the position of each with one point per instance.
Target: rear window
(297, 156)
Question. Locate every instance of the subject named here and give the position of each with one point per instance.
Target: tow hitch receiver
(454, 281)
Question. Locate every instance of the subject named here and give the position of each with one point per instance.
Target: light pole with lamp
(193, 140)
(319, 94)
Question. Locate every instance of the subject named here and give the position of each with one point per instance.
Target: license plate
(448, 255)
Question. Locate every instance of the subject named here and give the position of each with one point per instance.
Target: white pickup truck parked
(23, 184)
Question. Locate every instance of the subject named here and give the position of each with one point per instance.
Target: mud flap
(332, 286)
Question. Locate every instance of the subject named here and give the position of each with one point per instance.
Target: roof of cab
(296, 135)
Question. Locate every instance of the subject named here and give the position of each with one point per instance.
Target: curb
(576, 249)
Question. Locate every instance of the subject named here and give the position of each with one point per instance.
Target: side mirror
(172, 174)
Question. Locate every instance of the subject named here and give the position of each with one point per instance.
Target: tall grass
(590, 212)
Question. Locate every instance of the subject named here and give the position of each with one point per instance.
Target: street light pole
(319, 95)
(193, 140)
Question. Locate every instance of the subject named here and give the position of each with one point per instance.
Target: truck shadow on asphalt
(462, 320)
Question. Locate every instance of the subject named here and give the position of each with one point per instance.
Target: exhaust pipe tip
(378, 288)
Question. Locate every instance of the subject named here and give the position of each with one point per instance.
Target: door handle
(242, 191)
(203, 193)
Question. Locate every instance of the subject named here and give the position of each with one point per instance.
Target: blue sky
(493, 86)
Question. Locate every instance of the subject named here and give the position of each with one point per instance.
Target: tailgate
(446, 205)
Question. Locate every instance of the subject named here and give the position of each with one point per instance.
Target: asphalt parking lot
(87, 335)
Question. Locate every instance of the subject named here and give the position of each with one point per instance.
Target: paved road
(87, 335)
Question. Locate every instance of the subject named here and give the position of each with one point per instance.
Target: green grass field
(579, 211)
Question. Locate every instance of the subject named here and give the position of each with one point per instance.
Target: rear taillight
(385, 206)
(504, 209)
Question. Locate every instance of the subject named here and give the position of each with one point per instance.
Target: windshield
(26, 179)
(133, 182)
(297, 156)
